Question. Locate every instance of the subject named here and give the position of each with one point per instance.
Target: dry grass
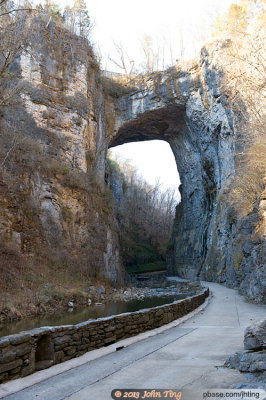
(57, 270)
(33, 286)
(115, 87)
(53, 270)
(248, 183)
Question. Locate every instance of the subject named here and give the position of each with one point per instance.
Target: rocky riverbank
(58, 302)
(162, 288)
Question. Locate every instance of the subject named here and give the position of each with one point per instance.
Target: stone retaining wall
(30, 351)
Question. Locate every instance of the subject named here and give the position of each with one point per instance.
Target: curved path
(188, 356)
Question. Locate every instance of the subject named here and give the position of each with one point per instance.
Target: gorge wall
(190, 107)
(66, 115)
(53, 199)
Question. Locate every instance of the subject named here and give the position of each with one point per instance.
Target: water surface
(82, 314)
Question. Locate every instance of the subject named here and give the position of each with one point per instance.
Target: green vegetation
(234, 21)
(124, 187)
(113, 165)
(147, 267)
(238, 17)
(75, 18)
(139, 255)
(145, 219)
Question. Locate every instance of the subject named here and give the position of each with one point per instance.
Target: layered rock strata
(68, 116)
(189, 107)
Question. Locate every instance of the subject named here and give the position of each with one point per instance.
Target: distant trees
(75, 18)
(151, 57)
(122, 60)
(146, 217)
(157, 54)
(8, 7)
(151, 209)
(13, 34)
(233, 22)
(13, 38)
(239, 17)
(81, 17)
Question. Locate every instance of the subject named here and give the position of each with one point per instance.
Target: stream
(81, 314)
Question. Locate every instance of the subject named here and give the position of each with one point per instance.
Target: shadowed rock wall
(53, 196)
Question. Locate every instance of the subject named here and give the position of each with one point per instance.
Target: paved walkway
(189, 356)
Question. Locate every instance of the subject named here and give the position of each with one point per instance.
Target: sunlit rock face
(188, 107)
(65, 112)
(56, 184)
(184, 107)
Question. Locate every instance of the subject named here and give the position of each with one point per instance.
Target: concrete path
(189, 356)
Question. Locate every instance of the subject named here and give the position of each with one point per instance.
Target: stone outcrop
(53, 198)
(253, 359)
(255, 336)
(67, 115)
(189, 107)
(172, 106)
(249, 362)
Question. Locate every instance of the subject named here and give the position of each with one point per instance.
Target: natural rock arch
(193, 119)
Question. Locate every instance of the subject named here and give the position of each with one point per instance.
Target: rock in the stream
(100, 289)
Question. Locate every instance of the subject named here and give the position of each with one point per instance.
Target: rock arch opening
(188, 129)
(154, 161)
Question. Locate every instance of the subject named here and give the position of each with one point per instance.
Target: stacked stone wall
(27, 352)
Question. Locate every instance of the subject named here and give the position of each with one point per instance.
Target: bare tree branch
(15, 10)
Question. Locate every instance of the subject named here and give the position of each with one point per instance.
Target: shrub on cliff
(244, 86)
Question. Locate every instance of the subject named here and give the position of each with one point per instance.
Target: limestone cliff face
(53, 196)
(189, 107)
(53, 191)
(185, 107)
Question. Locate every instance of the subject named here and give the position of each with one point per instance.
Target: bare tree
(149, 53)
(122, 60)
(244, 85)
(148, 207)
(13, 40)
(7, 8)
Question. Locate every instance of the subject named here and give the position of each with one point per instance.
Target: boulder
(100, 289)
(255, 336)
(246, 361)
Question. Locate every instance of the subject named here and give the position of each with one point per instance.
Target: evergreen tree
(53, 9)
(82, 19)
(236, 18)
(69, 18)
